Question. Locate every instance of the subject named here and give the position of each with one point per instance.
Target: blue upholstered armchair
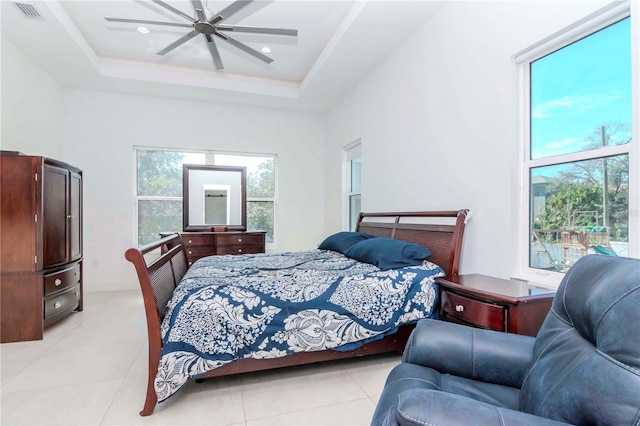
(582, 368)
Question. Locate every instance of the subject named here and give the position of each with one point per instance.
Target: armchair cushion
(484, 355)
(428, 407)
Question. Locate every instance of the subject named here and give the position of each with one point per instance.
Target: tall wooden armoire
(40, 244)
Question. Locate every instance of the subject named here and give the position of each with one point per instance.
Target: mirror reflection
(214, 196)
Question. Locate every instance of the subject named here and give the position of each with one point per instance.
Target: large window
(159, 189)
(579, 142)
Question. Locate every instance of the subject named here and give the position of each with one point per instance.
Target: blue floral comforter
(270, 305)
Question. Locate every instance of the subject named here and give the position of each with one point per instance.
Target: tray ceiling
(338, 43)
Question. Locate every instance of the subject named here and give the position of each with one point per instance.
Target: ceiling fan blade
(178, 42)
(244, 47)
(197, 6)
(233, 8)
(214, 52)
(141, 21)
(258, 30)
(173, 9)
(216, 19)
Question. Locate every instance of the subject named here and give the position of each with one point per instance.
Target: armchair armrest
(419, 407)
(485, 355)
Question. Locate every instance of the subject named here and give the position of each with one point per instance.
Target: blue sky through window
(580, 87)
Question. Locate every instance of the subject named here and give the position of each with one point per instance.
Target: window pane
(581, 94)
(354, 211)
(260, 218)
(356, 165)
(157, 216)
(261, 181)
(160, 172)
(579, 208)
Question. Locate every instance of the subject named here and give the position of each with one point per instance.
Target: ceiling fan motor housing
(204, 27)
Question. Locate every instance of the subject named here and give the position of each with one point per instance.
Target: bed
(234, 314)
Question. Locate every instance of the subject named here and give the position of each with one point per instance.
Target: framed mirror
(214, 197)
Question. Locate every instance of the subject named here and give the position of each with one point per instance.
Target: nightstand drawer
(239, 239)
(473, 312)
(60, 280)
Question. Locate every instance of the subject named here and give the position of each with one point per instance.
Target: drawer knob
(239, 250)
(57, 282)
(190, 252)
(77, 293)
(75, 274)
(459, 308)
(239, 240)
(189, 241)
(57, 305)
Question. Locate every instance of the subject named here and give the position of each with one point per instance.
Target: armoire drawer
(61, 303)
(60, 280)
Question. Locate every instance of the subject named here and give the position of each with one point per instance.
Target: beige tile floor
(90, 369)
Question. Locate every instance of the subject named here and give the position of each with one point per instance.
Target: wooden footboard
(161, 265)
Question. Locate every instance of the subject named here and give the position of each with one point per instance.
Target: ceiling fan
(212, 26)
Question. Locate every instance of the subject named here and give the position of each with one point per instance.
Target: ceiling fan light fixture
(266, 49)
(143, 30)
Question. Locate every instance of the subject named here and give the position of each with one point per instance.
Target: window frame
(209, 160)
(581, 29)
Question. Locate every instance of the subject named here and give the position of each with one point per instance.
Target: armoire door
(75, 217)
(55, 211)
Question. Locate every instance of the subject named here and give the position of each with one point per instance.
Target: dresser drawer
(239, 239)
(61, 280)
(200, 251)
(474, 312)
(197, 240)
(61, 304)
(241, 249)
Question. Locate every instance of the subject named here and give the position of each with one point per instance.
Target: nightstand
(493, 303)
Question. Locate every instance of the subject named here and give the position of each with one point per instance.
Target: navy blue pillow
(341, 241)
(387, 253)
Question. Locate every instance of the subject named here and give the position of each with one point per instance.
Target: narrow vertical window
(354, 194)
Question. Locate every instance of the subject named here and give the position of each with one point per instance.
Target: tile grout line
(124, 379)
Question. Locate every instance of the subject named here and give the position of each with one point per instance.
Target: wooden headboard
(440, 231)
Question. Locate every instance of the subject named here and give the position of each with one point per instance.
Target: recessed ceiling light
(266, 49)
(143, 30)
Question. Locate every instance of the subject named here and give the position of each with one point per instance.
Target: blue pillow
(387, 253)
(341, 241)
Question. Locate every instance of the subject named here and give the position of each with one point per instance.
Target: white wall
(438, 123)
(31, 105)
(101, 129)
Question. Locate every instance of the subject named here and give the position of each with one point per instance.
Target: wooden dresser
(201, 244)
(40, 244)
